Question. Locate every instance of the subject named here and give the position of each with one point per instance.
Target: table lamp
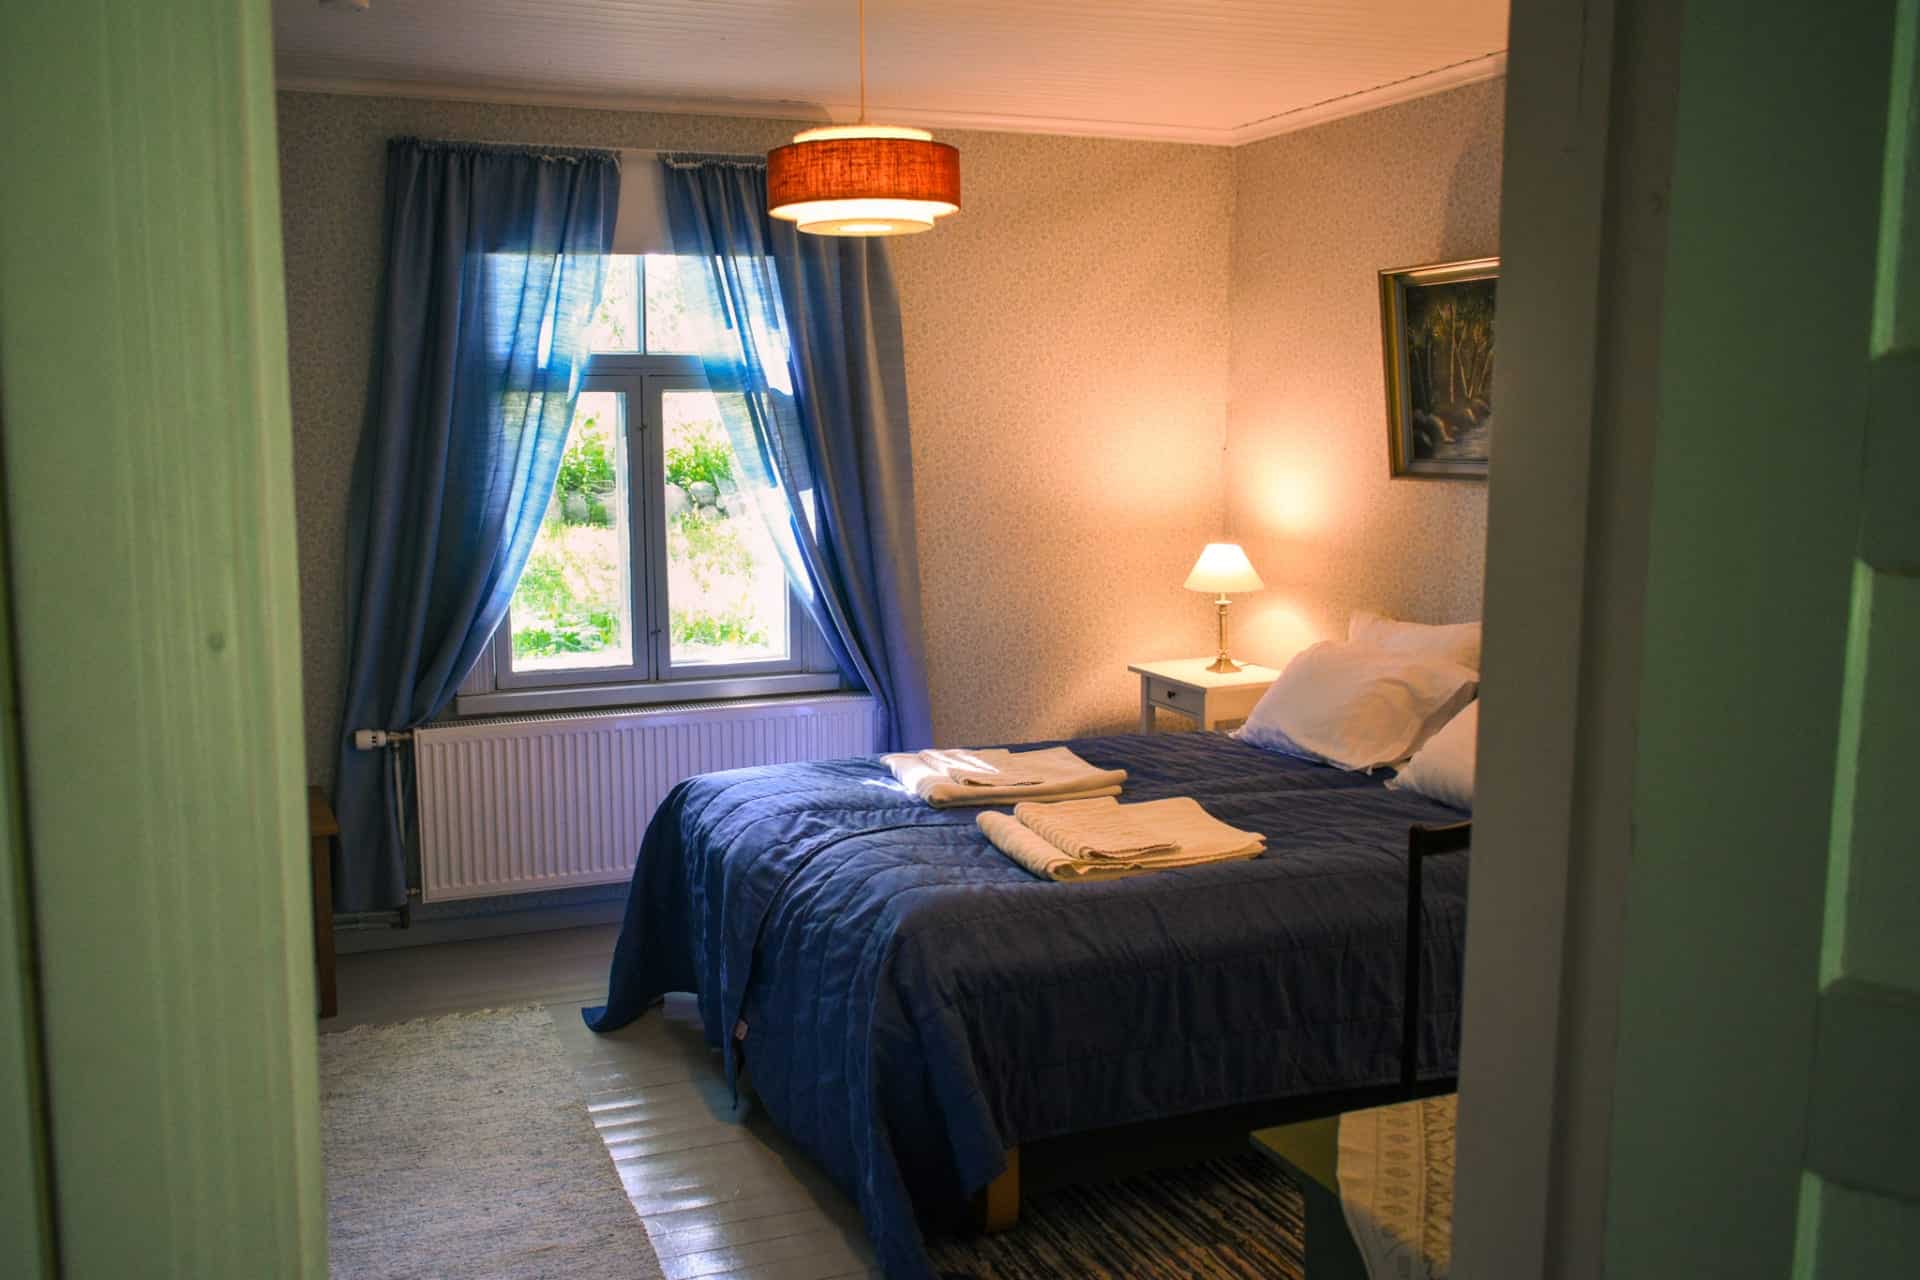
(1221, 568)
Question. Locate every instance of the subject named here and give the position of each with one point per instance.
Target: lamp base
(1223, 664)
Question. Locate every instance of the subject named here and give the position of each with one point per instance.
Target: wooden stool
(321, 830)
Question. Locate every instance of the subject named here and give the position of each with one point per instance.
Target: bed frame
(997, 1206)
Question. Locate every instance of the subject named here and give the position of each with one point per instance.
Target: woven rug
(1241, 1217)
(461, 1146)
(1396, 1187)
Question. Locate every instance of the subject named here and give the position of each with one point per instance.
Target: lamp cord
(863, 61)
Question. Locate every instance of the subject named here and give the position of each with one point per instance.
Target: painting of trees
(1450, 342)
(1448, 333)
(1437, 337)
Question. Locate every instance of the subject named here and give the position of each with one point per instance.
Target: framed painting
(1437, 335)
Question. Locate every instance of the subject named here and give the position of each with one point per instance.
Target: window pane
(571, 610)
(670, 328)
(616, 321)
(726, 587)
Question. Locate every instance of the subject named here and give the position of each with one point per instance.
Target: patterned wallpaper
(1067, 360)
(1316, 215)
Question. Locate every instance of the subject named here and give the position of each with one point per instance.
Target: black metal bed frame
(1423, 842)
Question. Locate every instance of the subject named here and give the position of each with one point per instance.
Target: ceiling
(1216, 71)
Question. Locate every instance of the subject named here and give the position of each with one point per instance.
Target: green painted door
(26, 1236)
(1765, 1118)
(1860, 1198)
(151, 581)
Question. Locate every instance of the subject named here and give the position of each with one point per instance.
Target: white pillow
(1443, 769)
(1355, 706)
(1456, 642)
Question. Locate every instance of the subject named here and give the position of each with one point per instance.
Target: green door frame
(1672, 557)
(25, 1208)
(152, 580)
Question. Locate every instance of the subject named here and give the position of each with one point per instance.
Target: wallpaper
(1067, 364)
(1316, 215)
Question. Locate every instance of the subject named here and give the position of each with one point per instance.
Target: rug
(1240, 1218)
(1396, 1187)
(461, 1146)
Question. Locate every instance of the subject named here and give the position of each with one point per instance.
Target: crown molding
(804, 113)
(1472, 71)
(292, 78)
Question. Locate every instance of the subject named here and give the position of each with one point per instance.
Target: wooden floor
(454, 977)
(722, 1194)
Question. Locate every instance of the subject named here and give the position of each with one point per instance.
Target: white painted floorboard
(722, 1193)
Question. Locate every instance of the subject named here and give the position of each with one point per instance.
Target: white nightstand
(1211, 698)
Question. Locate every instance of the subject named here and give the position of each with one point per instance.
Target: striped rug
(1240, 1218)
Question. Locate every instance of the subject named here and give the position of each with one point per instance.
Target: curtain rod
(578, 146)
(564, 146)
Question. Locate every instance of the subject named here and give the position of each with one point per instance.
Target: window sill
(606, 696)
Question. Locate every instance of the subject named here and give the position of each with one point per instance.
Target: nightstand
(1210, 698)
(321, 833)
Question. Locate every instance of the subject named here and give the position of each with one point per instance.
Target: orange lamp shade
(863, 180)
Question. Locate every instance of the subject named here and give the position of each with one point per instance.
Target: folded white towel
(1197, 837)
(947, 779)
(990, 768)
(1104, 828)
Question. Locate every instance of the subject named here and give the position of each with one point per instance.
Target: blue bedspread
(913, 1003)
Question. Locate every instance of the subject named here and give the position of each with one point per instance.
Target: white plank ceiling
(1219, 71)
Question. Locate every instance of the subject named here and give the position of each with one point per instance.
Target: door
(1764, 1119)
(153, 609)
(24, 1205)
(1860, 1204)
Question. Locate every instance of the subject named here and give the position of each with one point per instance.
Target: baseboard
(377, 934)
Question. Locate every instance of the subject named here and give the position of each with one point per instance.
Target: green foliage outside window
(586, 481)
(708, 544)
(733, 627)
(590, 633)
(703, 454)
(569, 598)
(559, 620)
(561, 602)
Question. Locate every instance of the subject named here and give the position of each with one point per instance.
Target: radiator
(548, 802)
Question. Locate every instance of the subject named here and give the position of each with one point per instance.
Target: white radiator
(513, 806)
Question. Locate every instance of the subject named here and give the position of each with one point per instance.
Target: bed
(915, 1006)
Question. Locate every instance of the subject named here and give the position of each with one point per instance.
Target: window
(726, 588)
(652, 577)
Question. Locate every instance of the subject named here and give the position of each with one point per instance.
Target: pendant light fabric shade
(863, 180)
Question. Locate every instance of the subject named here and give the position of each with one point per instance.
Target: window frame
(493, 687)
(632, 444)
(658, 385)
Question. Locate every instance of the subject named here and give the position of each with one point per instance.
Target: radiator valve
(375, 739)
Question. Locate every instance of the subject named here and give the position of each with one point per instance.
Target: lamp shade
(863, 180)
(1222, 568)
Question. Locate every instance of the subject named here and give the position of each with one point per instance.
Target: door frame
(151, 576)
(26, 1220)
(1664, 633)
(1591, 90)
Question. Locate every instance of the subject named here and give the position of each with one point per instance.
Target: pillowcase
(1457, 642)
(1355, 706)
(1443, 769)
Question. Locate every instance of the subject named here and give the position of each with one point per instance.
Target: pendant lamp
(863, 179)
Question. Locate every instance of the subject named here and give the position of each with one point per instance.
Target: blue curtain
(805, 357)
(494, 257)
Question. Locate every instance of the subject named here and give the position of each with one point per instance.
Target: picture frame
(1437, 338)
